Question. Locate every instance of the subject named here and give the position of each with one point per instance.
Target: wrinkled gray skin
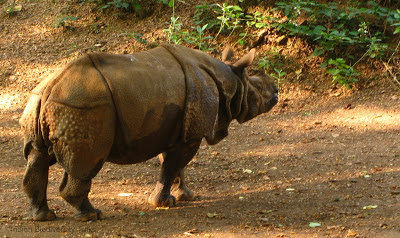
(126, 109)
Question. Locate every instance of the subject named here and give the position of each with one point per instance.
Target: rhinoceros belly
(148, 91)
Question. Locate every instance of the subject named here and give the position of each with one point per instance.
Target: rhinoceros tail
(30, 125)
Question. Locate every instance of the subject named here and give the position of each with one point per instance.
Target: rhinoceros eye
(258, 85)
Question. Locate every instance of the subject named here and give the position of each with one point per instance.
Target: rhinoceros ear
(227, 53)
(246, 60)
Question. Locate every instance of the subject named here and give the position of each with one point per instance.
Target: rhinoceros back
(148, 91)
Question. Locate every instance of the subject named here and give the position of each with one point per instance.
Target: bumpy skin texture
(126, 109)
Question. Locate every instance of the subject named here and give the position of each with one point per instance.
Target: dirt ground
(327, 157)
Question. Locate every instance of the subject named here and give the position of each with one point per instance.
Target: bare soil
(323, 155)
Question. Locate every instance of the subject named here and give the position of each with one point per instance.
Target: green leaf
(317, 52)
(237, 8)
(323, 65)
(373, 3)
(314, 224)
(333, 71)
(319, 29)
(260, 24)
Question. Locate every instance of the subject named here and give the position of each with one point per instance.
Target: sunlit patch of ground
(10, 101)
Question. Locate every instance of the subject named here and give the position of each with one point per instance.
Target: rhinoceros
(126, 109)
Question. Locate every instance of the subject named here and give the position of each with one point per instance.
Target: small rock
(266, 177)
(247, 171)
(348, 106)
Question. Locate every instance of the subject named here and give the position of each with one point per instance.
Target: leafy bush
(208, 19)
(175, 33)
(270, 61)
(332, 28)
(223, 17)
(341, 72)
(272, 64)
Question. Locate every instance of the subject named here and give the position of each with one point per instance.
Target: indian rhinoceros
(127, 109)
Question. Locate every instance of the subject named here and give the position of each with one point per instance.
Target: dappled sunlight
(10, 101)
(40, 30)
(12, 131)
(14, 174)
(367, 118)
(359, 119)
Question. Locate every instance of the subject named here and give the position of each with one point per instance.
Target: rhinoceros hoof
(183, 195)
(46, 215)
(157, 201)
(89, 215)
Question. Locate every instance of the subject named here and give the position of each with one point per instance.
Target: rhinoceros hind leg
(179, 189)
(35, 185)
(172, 163)
(75, 192)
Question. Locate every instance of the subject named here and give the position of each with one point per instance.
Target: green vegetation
(138, 37)
(210, 22)
(272, 64)
(128, 5)
(12, 9)
(65, 22)
(361, 29)
(331, 28)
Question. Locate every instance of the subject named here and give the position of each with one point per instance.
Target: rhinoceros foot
(161, 197)
(44, 215)
(183, 194)
(93, 215)
(162, 201)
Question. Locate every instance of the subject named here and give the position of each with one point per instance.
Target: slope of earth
(329, 158)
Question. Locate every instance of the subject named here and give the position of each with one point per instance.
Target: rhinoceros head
(260, 93)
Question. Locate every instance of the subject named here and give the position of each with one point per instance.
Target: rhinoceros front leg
(35, 185)
(173, 162)
(75, 191)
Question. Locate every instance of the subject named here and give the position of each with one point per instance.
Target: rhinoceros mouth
(274, 100)
(271, 103)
